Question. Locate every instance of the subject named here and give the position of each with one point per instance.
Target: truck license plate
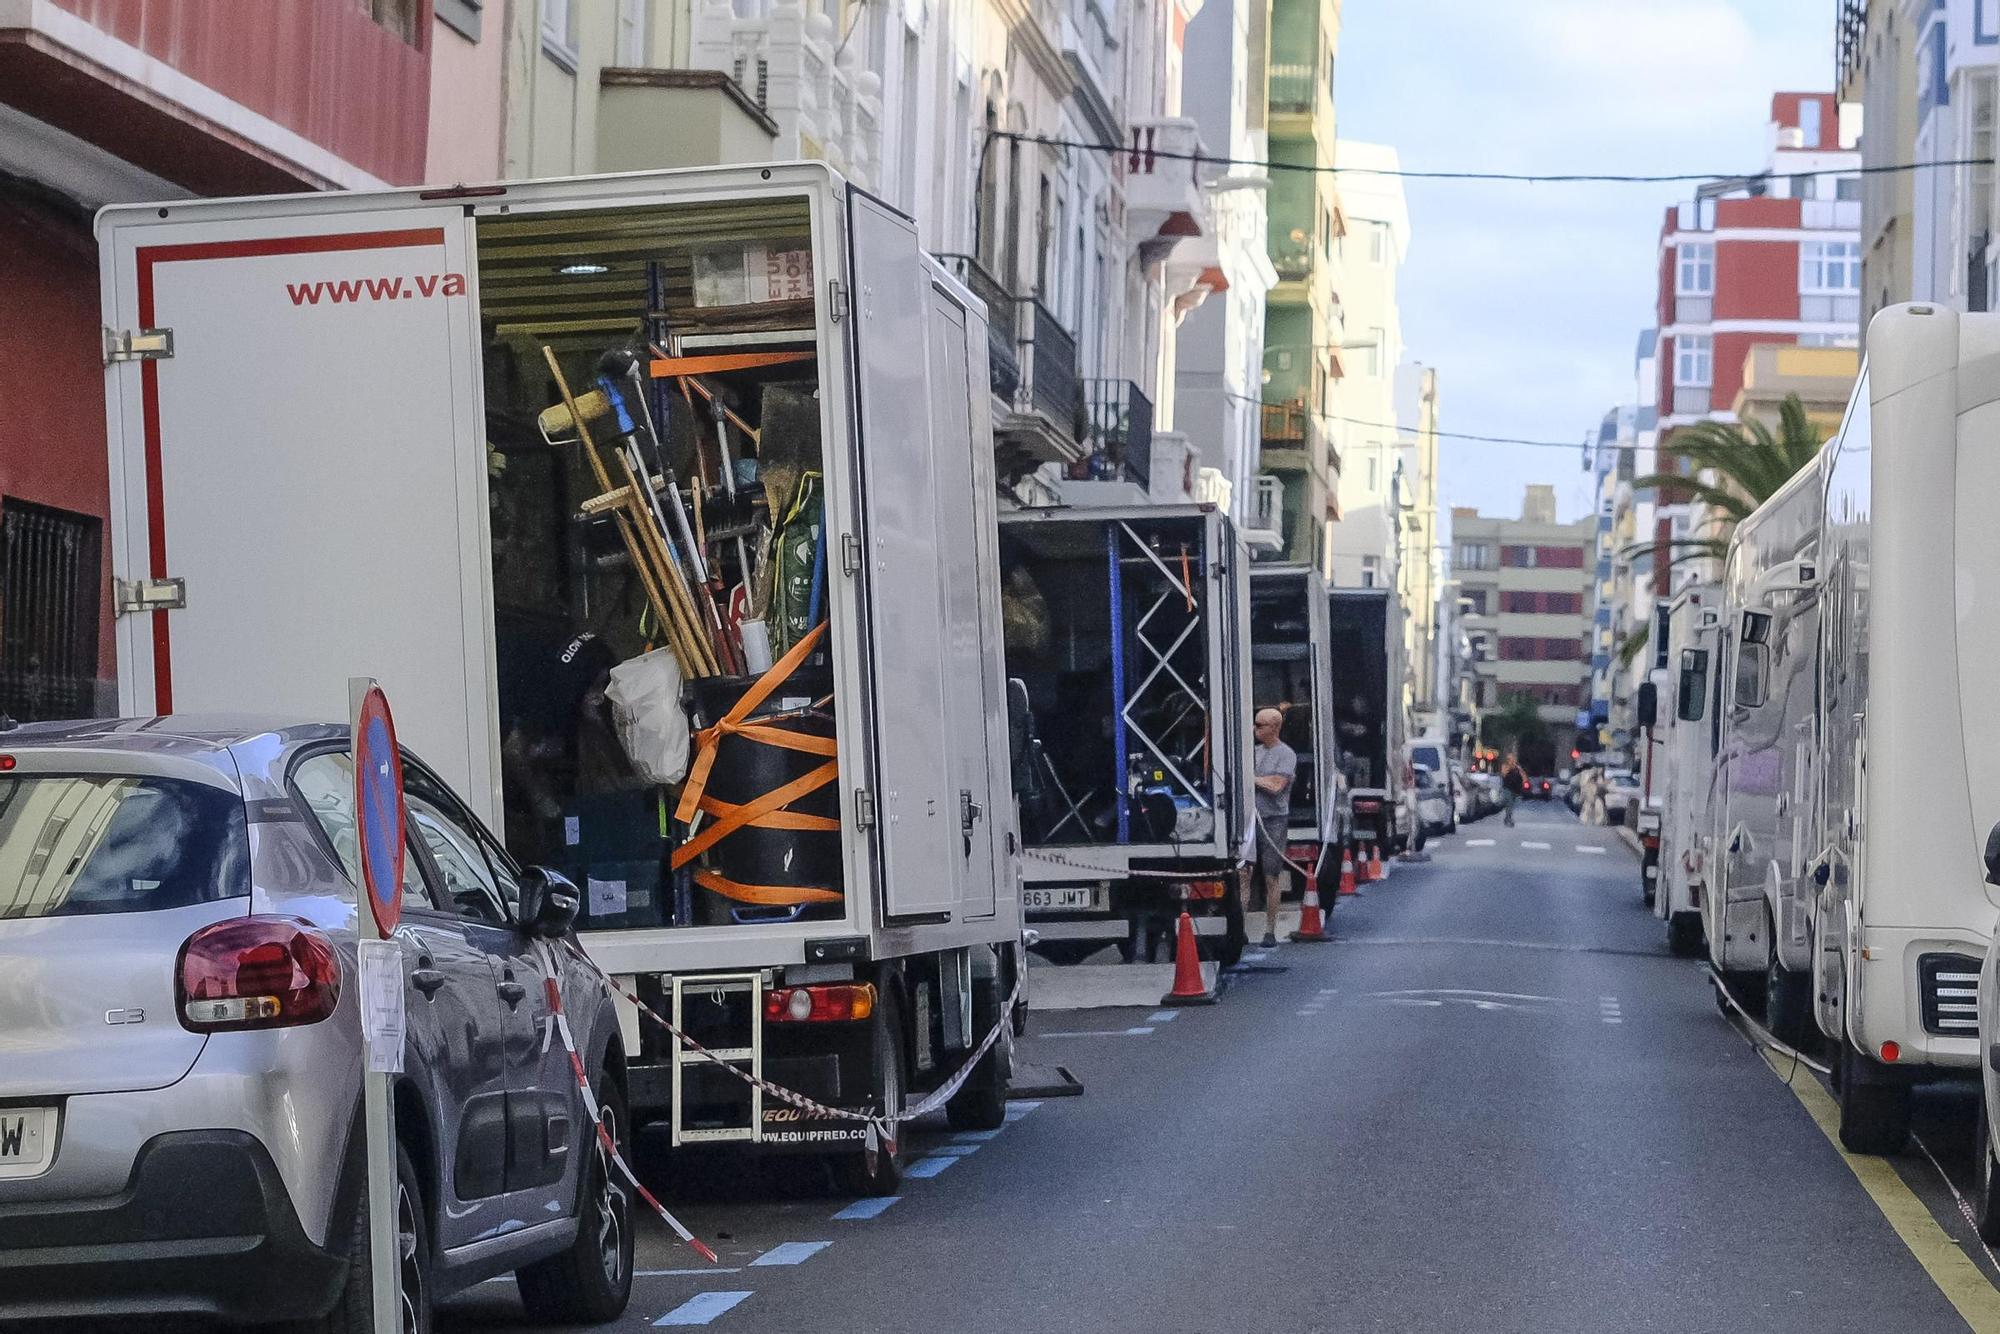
(1061, 900)
(25, 1139)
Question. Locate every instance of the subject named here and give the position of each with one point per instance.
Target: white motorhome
(1909, 738)
(1129, 675)
(326, 462)
(1680, 764)
(1763, 778)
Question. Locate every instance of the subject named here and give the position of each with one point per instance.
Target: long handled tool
(666, 589)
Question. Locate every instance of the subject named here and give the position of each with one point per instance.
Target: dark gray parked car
(180, 1048)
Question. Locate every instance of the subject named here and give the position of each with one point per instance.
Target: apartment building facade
(1524, 596)
(1364, 548)
(1304, 323)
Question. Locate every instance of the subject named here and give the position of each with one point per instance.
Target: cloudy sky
(1528, 299)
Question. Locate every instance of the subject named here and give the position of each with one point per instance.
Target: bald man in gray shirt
(1276, 769)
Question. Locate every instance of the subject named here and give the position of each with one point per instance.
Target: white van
(1681, 764)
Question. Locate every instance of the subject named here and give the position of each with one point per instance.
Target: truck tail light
(256, 972)
(834, 1003)
(1205, 889)
(1652, 842)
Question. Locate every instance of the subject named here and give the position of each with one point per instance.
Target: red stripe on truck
(146, 257)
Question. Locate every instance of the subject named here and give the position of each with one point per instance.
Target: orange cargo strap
(767, 811)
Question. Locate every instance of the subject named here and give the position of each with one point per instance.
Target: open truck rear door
(263, 374)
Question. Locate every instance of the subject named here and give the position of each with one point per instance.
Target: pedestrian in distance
(1513, 786)
(1276, 769)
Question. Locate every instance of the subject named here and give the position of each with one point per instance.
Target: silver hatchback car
(180, 1047)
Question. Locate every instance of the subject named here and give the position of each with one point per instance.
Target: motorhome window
(656, 490)
(1693, 685)
(1752, 662)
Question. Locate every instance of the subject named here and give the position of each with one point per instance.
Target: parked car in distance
(1622, 794)
(1464, 796)
(1541, 788)
(180, 1105)
(1434, 809)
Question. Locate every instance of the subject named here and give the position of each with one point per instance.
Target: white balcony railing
(1164, 195)
(792, 64)
(1264, 516)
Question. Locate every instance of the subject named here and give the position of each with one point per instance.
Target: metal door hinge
(145, 345)
(836, 300)
(864, 808)
(142, 595)
(850, 554)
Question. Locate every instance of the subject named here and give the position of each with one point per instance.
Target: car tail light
(256, 972)
(819, 1004)
(1205, 889)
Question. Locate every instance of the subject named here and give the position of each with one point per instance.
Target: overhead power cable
(1442, 435)
(1530, 178)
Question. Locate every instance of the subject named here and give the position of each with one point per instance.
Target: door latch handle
(512, 992)
(427, 980)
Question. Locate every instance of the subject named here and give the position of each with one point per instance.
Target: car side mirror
(549, 903)
(1648, 704)
(1993, 855)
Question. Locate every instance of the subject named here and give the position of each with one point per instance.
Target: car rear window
(83, 844)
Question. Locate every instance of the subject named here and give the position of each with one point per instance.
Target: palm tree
(1733, 468)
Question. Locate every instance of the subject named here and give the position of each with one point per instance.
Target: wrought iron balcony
(1049, 385)
(1120, 420)
(1002, 316)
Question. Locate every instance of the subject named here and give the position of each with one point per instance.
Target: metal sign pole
(379, 813)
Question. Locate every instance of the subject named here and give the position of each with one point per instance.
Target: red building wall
(52, 380)
(323, 69)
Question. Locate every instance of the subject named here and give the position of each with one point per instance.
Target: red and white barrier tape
(590, 1105)
(880, 1125)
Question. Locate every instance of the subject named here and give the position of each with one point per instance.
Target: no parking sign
(378, 805)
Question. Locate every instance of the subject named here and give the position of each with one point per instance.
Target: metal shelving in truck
(553, 461)
(1130, 697)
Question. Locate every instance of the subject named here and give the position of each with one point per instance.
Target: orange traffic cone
(1347, 872)
(1374, 862)
(1312, 931)
(1189, 987)
(1362, 875)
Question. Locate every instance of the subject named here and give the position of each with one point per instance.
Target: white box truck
(1369, 720)
(1129, 672)
(331, 456)
(1291, 669)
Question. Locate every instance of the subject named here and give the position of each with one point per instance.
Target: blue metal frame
(1122, 781)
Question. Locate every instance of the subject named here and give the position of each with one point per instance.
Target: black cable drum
(744, 770)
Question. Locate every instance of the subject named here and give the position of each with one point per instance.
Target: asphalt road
(1495, 1104)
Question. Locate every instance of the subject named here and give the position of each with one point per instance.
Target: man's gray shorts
(1271, 845)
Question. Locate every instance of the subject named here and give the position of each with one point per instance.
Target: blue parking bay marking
(791, 1253)
(955, 1149)
(973, 1136)
(874, 1208)
(700, 1308)
(930, 1167)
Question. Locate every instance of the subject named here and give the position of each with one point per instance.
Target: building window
(1474, 556)
(1371, 571)
(1694, 356)
(1809, 126)
(400, 17)
(1378, 243)
(1695, 270)
(632, 33)
(1472, 601)
(461, 16)
(49, 580)
(559, 32)
(1828, 266)
(1847, 187)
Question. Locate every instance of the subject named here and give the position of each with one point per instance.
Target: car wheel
(982, 1103)
(590, 1282)
(1986, 1202)
(1874, 1116)
(851, 1169)
(1684, 934)
(1787, 1003)
(354, 1310)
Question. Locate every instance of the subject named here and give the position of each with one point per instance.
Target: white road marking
(791, 1253)
(1538, 847)
(700, 1308)
(1608, 1011)
(1017, 1110)
(1478, 842)
(1306, 1012)
(1101, 1033)
(1138, 1032)
(1163, 1017)
(1590, 847)
(874, 1208)
(1329, 991)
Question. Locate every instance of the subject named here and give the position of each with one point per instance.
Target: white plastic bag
(645, 698)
